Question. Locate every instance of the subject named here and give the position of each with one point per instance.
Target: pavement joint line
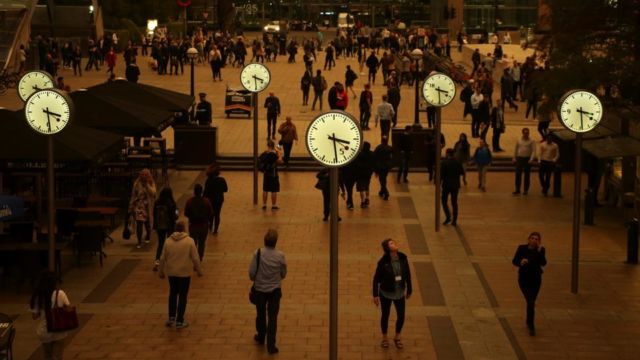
(485, 285)
(464, 241)
(512, 338)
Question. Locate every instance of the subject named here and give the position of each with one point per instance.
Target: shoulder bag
(252, 292)
(61, 318)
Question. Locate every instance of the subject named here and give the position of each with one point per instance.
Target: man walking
(288, 135)
(406, 149)
(384, 114)
(267, 270)
(476, 99)
(523, 157)
(272, 104)
(498, 126)
(200, 214)
(548, 157)
(383, 156)
(393, 94)
(366, 99)
(451, 171)
(319, 86)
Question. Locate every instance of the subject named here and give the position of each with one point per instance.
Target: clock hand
(338, 140)
(581, 122)
(48, 118)
(335, 149)
(257, 78)
(442, 91)
(51, 113)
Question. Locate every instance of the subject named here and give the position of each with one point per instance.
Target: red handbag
(61, 318)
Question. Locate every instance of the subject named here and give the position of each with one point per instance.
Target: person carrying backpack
(268, 163)
(200, 214)
(214, 189)
(165, 214)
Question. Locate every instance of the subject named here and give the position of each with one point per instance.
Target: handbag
(126, 231)
(61, 318)
(252, 292)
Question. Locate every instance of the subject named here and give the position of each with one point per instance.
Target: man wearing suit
(203, 111)
(451, 171)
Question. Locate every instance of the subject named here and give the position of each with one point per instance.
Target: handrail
(19, 35)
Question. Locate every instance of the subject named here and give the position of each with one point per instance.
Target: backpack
(163, 217)
(264, 164)
(198, 211)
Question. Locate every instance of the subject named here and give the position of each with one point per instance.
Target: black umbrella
(143, 95)
(76, 143)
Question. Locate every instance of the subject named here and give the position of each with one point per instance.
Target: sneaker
(258, 340)
(170, 322)
(516, 192)
(350, 207)
(275, 208)
(273, 350)
(147, 241)
(386, 197)
(182, 325)
(446, 222)
(139, 246)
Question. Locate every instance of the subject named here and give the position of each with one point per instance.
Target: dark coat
(384, 278)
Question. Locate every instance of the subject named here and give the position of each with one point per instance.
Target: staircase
(15, 21)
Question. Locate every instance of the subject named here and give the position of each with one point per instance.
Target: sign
(11, 207)
(184, 3)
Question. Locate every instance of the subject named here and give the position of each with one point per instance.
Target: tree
(592, 44)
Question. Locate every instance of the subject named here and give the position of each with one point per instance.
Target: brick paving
(480, 314)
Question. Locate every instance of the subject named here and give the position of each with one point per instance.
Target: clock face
(438, 89)
(255, 77)
(32, 82)
(334, 138)
(48, 111)
(580, 111)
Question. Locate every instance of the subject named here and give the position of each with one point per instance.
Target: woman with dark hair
(305, 86)
(392, 284)
(214, 189)
(165, 214)
(365, 164)
(462, 150)
(530, 258)
(45, 296)
(140, 205)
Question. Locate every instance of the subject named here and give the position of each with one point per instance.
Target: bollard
(632, 241)
(589, 205)
(557, 181)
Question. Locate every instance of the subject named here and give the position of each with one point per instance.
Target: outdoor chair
(89, 239)
(7, 335)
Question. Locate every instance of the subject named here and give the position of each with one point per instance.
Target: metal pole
(255, 148)
(185, 22)
(416, 117)
(333, 267)
(575, 251)
(438, 131)
(193, 89)
(51, 205)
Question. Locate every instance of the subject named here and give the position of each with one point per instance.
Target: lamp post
(192, 53)
(416, 55)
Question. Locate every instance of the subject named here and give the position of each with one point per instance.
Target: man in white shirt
(516, 74)
(548, 157)
(523, 157)
(476, 99)
(384, 114)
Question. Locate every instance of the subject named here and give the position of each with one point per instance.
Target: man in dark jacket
(319, 84)
(383, 155)
(393, 94)
(272, 104)
(203, 111)
(200, 214)
(332, 97)
(132, 73)
(465, 97)
(406, 149)
(451, 171)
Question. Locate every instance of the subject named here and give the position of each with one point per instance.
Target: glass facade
(500, 14)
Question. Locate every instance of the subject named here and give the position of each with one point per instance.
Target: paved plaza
(466, 302)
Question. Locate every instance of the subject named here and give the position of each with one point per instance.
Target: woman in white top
(45, 296)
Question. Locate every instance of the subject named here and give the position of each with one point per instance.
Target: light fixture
(192, 53)
(416, 54)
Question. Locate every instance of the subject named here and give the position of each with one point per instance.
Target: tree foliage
(593, 44)
(138, 11)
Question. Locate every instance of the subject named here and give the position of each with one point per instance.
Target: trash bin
(557, 181)
(632, 241)
(238, 101)
(589, 205)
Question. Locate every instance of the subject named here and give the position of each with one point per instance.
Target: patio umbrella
(143, 95)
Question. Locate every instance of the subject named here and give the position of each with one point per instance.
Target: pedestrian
(548, 157)
(392, 284)
(475, 59)
(324, 184)
(476, 99)
(482, 158)
(215, 60)
(214, 188)
(372, 64)
(268, 163)
(393, 94)
(267, 270)
(532, 98)
(199, 211)
(523, 157)
(272, 104)
(329, 58)
(308, 60)
(365, 164)
(484, 116)
(132, 72)
(506, 90)
(141, 204)
(288, 134)
(341, 97)
(165, 214)
(451, 171)
(305, 86)
(462, 155)
(530, 258)
(498, 126)
(47, 295)
(383, 157)
(178, 260)
(516, 75)
(76, 59)
(545, 113)
(405, 146)
(366, 100)
(349, 78)
(319, 86)
(22, 59)
(465, 97)
(111, 60)
(203, 111)
(384, 114)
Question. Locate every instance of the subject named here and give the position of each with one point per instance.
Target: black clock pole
(575, 249)
(51, 206)
(438, 152)
(255, 148)
(333, 266)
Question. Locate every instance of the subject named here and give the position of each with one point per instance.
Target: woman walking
(46, 296)
(140, 205)
(305, 86)
(165, 214)
(530, 258)
(289, 134)
(214, 189)
(482, 158)
(462, 153)
(392, 284)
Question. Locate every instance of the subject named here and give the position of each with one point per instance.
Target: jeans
(271, 124)
(545, 171)
(495, 141)
(217, 208)
(317, 95)
(454, 203)
(200, 238)
(349, 182)
(305, 97)
(403, 170)
(267, 307)
(382, 177)
(522, 165)
(530, 287)
(482, 175)
(147, 227)
(531, 105)
(162, 236)
(178, 291)
(329, 61)
(365, 115)
(385, 306)
(372, 77)
(385, 127)
(475, 122)
(287, 152)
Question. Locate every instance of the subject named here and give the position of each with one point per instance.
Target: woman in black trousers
(324, 184)
(530, 258)
(391, 282)
(214, 189)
